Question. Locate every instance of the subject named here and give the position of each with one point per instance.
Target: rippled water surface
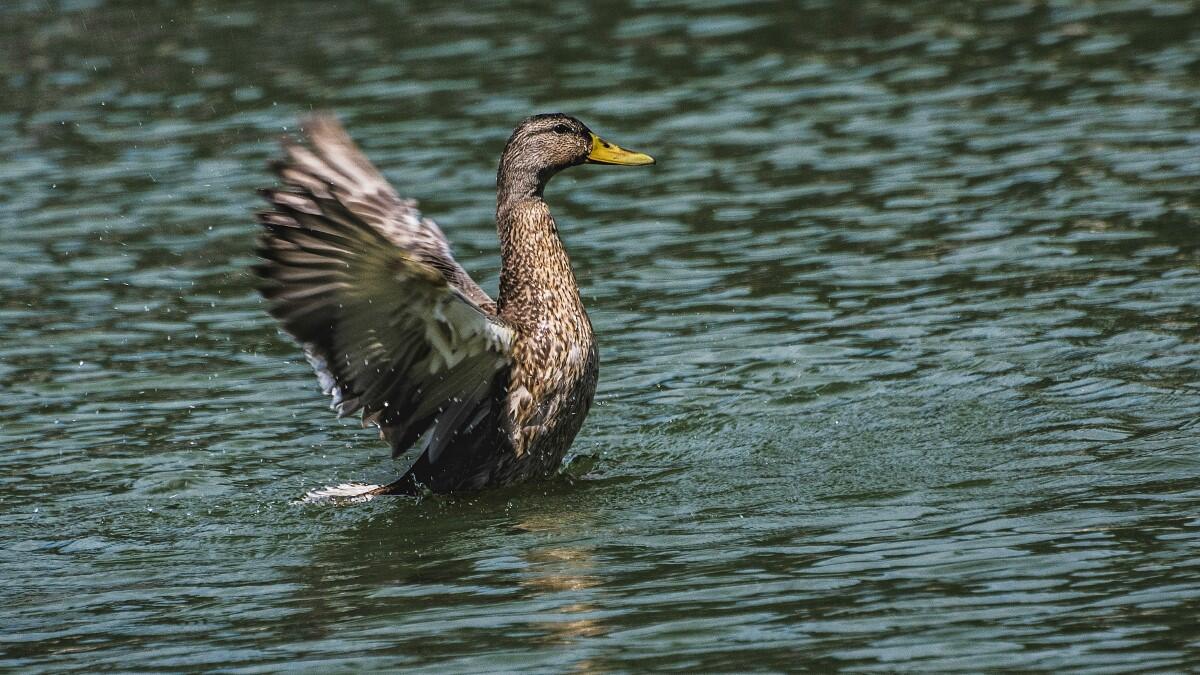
(899, 339)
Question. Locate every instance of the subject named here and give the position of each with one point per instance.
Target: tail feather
(354, 492)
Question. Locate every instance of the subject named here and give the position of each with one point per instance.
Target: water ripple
(898, 340)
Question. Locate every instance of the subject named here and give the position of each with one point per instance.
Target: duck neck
(535, 276)
(515, 182)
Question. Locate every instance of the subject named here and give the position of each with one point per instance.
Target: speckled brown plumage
(491, 392)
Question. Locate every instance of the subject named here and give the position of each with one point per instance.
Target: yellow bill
(604, 152)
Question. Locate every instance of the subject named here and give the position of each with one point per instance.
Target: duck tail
(345, 492)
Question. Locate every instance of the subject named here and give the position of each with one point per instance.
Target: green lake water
(900, 367)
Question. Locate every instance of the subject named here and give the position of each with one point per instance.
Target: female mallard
(494, 390)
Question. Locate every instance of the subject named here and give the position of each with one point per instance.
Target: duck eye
(562, 129)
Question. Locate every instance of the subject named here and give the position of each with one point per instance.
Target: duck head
(543, 145)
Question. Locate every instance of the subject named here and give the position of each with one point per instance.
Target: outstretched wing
(391, 323)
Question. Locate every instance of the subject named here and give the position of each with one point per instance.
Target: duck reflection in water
(562, 570)
(407, 571)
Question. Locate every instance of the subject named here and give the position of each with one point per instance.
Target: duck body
(549, 386)
(491, 392)
(556, 364)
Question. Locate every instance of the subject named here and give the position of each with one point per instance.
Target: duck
(488, 392)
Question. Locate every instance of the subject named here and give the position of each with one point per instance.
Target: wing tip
(322, 126)
(320, 118)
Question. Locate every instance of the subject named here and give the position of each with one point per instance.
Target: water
(898, 340)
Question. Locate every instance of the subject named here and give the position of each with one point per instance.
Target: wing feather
(390, 322)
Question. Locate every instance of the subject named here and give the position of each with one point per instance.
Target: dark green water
(900, 363)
